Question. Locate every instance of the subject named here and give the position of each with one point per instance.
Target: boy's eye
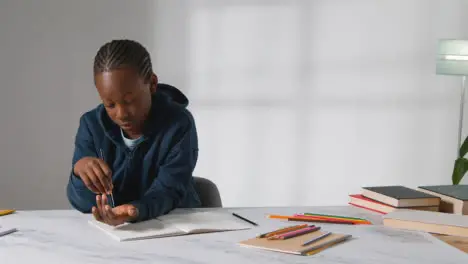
(128, 99)
(109, 105)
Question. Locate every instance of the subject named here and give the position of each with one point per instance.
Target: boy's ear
(153, 83)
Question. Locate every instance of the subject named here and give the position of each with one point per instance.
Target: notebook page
(192, 222)
(142, 230)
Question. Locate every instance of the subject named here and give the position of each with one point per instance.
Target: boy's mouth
(126, 125)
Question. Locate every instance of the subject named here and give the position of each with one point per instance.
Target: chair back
(208, 192)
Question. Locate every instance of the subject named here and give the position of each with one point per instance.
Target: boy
(139, 146)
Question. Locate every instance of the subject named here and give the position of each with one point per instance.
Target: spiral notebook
(177, 223)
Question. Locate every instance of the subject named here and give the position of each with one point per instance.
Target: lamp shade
(452, 57)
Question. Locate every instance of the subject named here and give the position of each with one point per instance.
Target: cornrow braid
(123, 53)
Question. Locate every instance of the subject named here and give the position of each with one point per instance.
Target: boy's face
(126, 97)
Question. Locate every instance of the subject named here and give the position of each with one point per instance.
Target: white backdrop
(296, 102)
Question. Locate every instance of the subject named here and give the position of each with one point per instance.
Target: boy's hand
(95, 174)
(113, 216)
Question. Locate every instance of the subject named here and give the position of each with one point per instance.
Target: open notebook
(178, 222)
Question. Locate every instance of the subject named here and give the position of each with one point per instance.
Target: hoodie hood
(172, 94)
(165, 96)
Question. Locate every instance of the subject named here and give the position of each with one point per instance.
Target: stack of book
(386, 199)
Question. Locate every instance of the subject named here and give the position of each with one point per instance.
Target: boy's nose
(122, 114)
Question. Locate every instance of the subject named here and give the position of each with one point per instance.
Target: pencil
(101, 154)
(315, 249)
(278, 217)
(315, 239)
(295, 233)
(355, 221)
(282, 230)
(304, 219)
(308, 219)
(6, 211)
(245, 219)
(318, 250)
(323, 219)
(311, 219)
(336, 216)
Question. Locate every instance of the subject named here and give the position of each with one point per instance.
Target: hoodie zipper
(129, 157)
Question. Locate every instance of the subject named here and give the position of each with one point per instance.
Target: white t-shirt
(130, 143)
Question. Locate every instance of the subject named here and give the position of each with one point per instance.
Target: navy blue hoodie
(156, 176)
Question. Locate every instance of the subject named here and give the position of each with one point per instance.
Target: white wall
(313, 98)
(46, 57)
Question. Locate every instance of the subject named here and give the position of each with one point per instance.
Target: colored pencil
(6, 211)
(315, 239)
(295, 233)
(282, 230)
(315, 249)
(285, 217)
(300, 219)
(278, 235)
(363, 222)
(318, 250)
(309, 219)
(324, 220)
(333, 217)
(336, 216)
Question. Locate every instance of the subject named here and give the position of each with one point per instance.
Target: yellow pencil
(6, 212)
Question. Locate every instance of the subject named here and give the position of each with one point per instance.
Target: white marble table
(66, 237)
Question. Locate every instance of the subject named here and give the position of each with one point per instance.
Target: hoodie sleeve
(175, 174)
(80, 197)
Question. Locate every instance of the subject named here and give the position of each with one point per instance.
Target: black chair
(208, 192)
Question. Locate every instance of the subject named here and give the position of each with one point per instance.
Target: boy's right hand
(95, 174)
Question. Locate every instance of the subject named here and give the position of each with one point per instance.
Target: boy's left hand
(113, 216)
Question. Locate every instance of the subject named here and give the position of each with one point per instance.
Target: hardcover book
(454, 198)
(400, 196)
